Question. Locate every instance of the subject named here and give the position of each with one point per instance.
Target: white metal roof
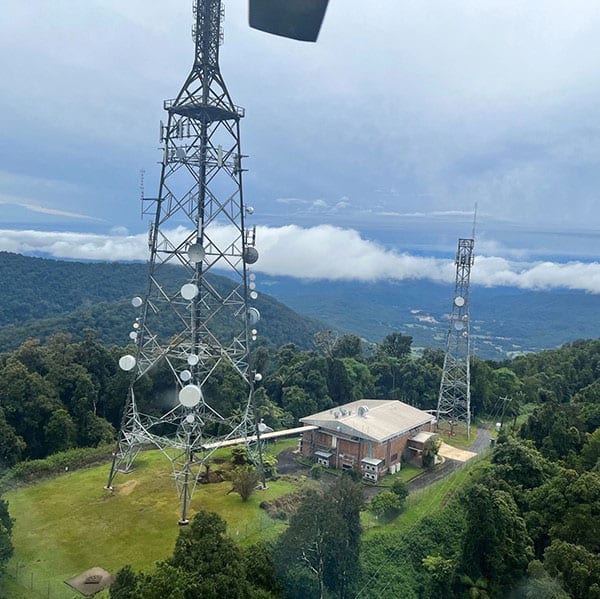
(422, 437)
(372, 461)
(323, 454)
(383, 419)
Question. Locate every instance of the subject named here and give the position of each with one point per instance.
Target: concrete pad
(91, 581)
(452, 453)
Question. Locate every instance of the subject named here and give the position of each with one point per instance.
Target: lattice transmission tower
(454, 401)
(191, 322)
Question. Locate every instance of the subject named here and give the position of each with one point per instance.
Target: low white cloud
(322, 252)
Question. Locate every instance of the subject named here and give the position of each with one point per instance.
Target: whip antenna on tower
(191, 323)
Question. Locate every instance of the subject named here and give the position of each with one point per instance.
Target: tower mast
(454, 400)
(191, 322)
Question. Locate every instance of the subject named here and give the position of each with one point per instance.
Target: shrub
(244, 480)
(386, 504)
(316, 471)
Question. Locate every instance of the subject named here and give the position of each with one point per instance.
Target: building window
(394, 458)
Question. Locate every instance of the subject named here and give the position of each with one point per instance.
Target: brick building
(369, 436)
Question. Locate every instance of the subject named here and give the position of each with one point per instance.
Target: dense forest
(526, 524)
(41, 298)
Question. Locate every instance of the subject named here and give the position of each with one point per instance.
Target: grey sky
(401, 117)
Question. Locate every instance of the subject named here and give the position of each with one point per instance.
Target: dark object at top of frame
(296, 19)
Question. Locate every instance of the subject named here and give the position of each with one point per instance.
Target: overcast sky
(390, 128)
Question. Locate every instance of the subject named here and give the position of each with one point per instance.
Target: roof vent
(363, 411)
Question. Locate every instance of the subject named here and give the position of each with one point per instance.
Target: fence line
(33, 584)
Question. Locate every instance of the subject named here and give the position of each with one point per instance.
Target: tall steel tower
(454, 402)
(189, 320)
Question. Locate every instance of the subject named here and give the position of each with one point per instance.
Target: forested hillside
(525, 524)
(39, 298)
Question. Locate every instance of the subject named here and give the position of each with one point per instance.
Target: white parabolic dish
(190, 396)
(459, 301)
(193, 359)
(253, 316)
(195, 252)
(189, 291)
(127, 362)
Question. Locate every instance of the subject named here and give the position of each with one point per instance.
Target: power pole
(189, 320)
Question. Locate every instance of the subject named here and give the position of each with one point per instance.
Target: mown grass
(459, 438)
(408, 472)
(68, 524)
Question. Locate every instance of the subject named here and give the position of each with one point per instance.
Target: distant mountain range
(505, 321)
(39, 297)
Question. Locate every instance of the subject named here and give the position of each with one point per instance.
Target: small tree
(6, 524)
(244, 482)
(125, 584)
(239, 456)
(386, 505)
(400, 488)
(430, 451)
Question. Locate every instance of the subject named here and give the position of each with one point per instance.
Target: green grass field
(421, 503)
(70, 523)
(459, 438)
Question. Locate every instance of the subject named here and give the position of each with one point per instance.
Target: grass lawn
(408, 472)
(421, 503)
(459, 438)
(70, 523)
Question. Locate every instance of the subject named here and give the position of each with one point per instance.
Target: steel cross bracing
(454, 401)
(189, 320)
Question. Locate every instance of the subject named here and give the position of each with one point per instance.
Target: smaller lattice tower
(454, 402)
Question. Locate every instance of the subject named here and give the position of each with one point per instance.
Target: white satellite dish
(459, 301)
(133, 336)
(249, 209)
(195, 252)
(189, 291)
(193, 359)
(136, 325)
(254, 331)
(253, 337)
(185, 375)
(253, 316)
(252, 276)
(250, 255)
(458, 326)
(253, 295)
(190, 396)
(258, 377)
(190, 419)
(127, 362)
(137, 301)
(252, 285)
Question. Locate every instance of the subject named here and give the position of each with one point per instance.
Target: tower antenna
(454, 400)
(191, 322)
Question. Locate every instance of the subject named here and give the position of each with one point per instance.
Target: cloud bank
(321, 252)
